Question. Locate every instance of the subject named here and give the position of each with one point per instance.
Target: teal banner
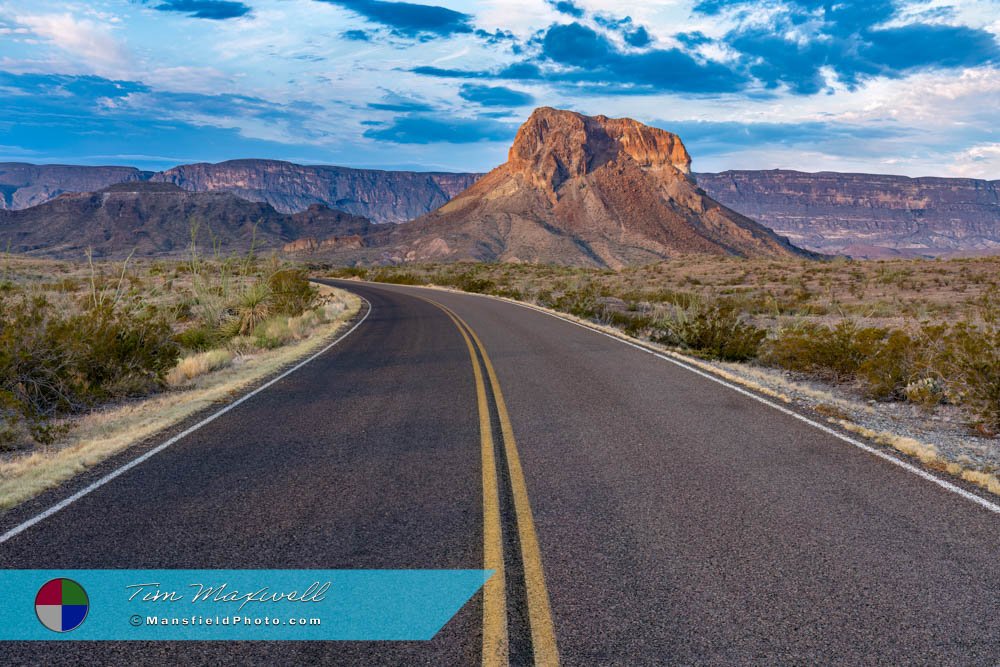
(346, 605)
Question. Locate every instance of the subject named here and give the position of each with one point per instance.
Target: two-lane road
(677, 521)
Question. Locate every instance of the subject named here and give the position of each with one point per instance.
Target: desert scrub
(716, 332)
(54, 364)
(290, 291)
(832, 353)
(971, 367)
(196, 365)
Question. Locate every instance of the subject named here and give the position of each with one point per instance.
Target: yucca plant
(253, 307)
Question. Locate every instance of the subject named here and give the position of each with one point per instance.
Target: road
(640, 514)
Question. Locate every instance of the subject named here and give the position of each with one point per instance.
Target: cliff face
(381, 196)
(582, 190)
(157, 218)
(24, 185)
(555, 146)
(866, 215)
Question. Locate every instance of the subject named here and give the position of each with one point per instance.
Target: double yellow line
(495, 639)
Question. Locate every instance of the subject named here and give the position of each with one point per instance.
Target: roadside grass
(198, 364)
(96, 435)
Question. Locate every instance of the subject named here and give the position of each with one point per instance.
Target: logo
(61, 605)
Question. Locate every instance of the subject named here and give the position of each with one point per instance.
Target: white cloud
(89, 42)
(981, 161)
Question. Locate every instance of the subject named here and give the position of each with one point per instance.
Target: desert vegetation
(925, 332)
(75, 337)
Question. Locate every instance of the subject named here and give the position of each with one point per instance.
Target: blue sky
(887, 86)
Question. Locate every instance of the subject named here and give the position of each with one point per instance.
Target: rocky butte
(590, 191)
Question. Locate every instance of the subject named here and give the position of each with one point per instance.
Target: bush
(834, 354)
(350, 272)
(197, 339)
(291, 293)
(889, 365)
(302, 325)
(717, 332)
(468, 282)
(396, 278)
(972, 368)
(52, 364)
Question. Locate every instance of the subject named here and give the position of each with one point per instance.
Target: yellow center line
(543, 635)
(495, 643)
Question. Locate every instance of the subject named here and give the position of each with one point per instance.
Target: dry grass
(196, 365)
(101, 434)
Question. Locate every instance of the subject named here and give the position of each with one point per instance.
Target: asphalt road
(677, 521)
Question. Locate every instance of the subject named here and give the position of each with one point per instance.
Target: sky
(885, 86)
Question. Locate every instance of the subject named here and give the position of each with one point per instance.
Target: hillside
(158, 218)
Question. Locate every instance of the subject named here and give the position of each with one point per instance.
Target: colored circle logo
(61, 605)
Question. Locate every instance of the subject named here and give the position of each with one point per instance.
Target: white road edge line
(909, 467)
(20, 528)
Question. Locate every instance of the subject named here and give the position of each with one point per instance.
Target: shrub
(889, 364)
(197, 339)
(925, 391)
(834, 354)
(252, 307)
(291, 293)
(53, 364)
(350, 272)
(468, 282)
(972, 366)
(717, 332)
(396, 278)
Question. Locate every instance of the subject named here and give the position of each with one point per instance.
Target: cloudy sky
(888, 86)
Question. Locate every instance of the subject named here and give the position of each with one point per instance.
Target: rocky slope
(866, 215)
(582, 190)
(381, 196)
(23, 185)
(158, 218)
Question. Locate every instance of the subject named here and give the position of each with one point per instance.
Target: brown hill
(157, 218)
(581, 190)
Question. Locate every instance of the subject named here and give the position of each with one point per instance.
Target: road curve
(677, 521)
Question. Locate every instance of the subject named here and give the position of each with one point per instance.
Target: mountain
(582, 190)
(866, 215)
(23, 185)
(381, 196)
(158, 218)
